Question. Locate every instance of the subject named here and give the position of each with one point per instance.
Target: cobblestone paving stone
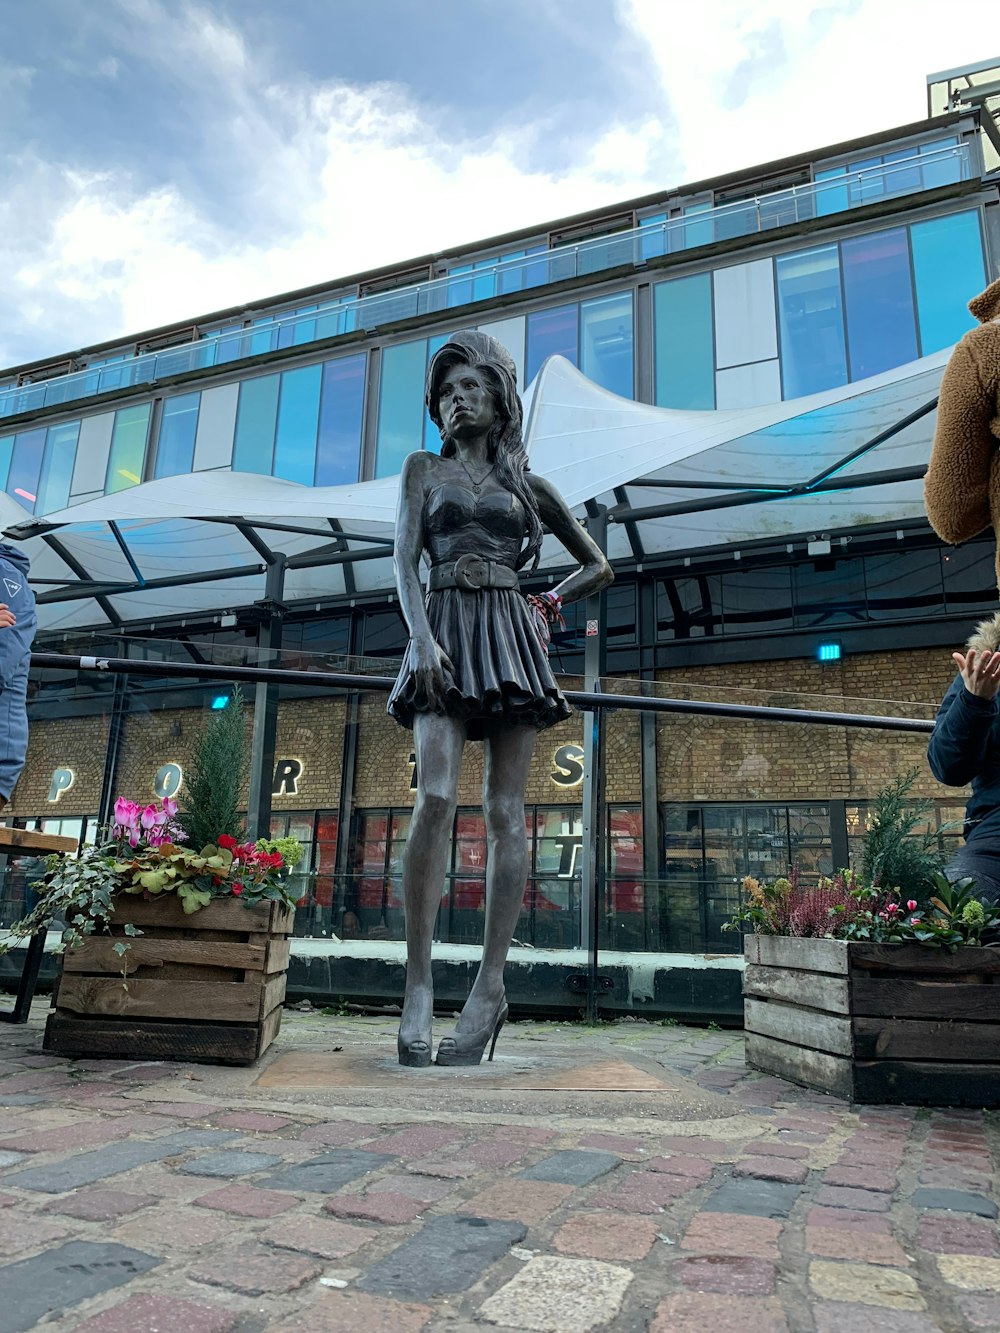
(137, 1196)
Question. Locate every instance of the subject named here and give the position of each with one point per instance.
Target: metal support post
(592, 858)
(648, 771)
(265, 708)
(116, 723)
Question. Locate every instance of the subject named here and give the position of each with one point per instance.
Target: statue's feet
(481, 1019)
(413, 1045)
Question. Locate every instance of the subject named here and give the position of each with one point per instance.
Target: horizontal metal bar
(71, 592)
(585, 699)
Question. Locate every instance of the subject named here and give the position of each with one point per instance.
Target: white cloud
(750, 81)
(319, 180)
(332, 179)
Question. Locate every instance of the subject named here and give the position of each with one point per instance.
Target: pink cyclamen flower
(169, 807)
(151, 817)
(892, 908)
(911, 905)
(126, 812)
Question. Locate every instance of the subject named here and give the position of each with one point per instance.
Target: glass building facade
(699, 301)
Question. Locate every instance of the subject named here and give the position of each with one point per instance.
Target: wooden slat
(271, 995)
(269, 1030)
(921, 959)
(98, 954)
(803, 1027)
(925, 1040)
(816, 1069)
(810, 955)
(145, 1039)
(221, 914)
(24, 841)
(817, 990)
(919, 1083)
(924, 999)
(278, 954)
(219, 1001)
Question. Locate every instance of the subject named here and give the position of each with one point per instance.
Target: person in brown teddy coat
(962, 498)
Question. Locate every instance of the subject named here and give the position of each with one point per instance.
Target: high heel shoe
(462, 1048)
(414, 1054)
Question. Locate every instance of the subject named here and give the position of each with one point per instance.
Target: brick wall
(699, 759)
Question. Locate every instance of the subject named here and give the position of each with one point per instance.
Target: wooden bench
(15, 842)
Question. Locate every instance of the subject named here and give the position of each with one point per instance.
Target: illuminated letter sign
(62, 780)
(568, 771)
(168, 780)
(286, 777)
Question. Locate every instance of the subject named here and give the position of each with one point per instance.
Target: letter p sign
(62, 780)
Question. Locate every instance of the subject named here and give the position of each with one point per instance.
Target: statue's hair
(505, 444)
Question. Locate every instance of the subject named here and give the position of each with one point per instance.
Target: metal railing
(634, 247)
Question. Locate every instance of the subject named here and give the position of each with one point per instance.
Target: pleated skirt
(502, 672)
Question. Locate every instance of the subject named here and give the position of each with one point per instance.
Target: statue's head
(496, 366)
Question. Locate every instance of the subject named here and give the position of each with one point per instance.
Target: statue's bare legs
(438, 745)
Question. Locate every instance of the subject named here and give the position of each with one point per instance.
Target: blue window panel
(298, 420)
(228, 344)
(128, 449)
(400, 405)
(432, 436)
(654, 241)
(341, 411)
(941, 167)
(256, 417)
(265, 339)
(552, 333)
(881, 329)
(684, 342)
(811, 321)
(57, 467)
(178, 427)
(948, 269)
(25, 465)
(902, 171)
(867, 181)
(335, 319)
(607, 343)
(6, 453)
(830, 189)
(698, 233)
(536, 274)
(459, 287)
(484, 284)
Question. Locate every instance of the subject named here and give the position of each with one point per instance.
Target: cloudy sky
(164, 158)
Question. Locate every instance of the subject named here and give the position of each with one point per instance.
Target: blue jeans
(13, 730)
(982, 863)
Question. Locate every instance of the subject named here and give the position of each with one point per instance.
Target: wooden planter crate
(876, 1023)
(205, 987)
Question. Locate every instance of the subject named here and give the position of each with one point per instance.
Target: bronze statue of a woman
(476, 667)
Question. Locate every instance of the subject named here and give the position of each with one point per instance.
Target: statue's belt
(470, 573)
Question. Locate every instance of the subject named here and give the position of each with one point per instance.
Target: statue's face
(465, 403)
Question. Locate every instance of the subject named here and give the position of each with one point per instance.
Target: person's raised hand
(980, 672)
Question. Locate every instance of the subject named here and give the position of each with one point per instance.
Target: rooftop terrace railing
(701, 224)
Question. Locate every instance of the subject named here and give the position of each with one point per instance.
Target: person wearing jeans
(18, 622)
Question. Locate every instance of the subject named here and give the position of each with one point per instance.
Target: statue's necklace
(476, 485)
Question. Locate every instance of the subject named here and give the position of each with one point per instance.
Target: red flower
(911, 905)
(237, 890)
(225, 841)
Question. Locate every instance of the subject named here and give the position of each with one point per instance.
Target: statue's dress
(502, 671)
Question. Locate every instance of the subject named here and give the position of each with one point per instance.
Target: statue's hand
(430, 662)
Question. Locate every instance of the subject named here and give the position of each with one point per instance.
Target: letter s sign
(568, 771)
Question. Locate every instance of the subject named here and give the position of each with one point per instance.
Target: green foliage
(894, 854)
(290, 849)
(215, 779)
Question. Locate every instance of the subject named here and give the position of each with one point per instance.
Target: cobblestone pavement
(632, 1176)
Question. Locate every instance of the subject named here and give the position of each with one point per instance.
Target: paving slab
(62, 1277)
(89, 1167)
(572, 1167)
(321, 1175)
(447, 1254)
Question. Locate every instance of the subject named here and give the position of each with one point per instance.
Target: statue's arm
(594, 573)
(409, 543)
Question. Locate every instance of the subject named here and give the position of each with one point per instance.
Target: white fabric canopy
(143, 548)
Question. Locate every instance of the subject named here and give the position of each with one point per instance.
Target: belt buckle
(472, 572)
